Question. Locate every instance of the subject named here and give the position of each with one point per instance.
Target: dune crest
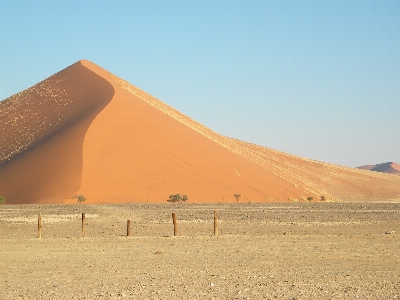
(90, 132)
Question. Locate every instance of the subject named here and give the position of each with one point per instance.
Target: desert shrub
(310, 198)
(80, 198)
(2, 200)
(177, 198)
(237, 196)
(323, 198)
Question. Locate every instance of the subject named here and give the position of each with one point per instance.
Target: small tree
(310, 198)
(2, 200)
(323, 198)
(177, 198)
(237, 196)
(80, 198)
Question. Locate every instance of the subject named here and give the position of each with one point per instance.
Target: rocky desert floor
(263, 251)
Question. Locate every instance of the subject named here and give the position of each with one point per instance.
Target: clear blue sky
(319, 79)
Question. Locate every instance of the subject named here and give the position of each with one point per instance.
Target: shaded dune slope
(115, 143)
(44, 129)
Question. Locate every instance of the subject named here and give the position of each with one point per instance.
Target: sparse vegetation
(80, 198)
(2, 200)
(177, 198)
(310, 198)
(237, 196)
(323, 198)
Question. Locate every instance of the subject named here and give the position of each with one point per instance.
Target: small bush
(237, 196)
(177, 198)
(323, 198)
(2, 200)
(80, 198)
(310, 198)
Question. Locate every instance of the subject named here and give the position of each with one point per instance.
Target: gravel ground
(263, 251)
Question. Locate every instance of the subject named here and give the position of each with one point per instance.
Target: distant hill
(86, 131)
(389, 167)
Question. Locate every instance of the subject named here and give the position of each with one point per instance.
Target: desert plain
(86, 132)
(301, 250)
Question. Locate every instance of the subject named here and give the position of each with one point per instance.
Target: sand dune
(84, 130)
(389, 167)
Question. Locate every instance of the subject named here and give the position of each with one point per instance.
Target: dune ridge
(115, 143)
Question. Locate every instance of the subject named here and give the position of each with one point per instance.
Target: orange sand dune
(86, 131)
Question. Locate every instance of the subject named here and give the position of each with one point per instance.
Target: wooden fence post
(215, 222)
(128, 228)
(39, 226)
(83, 225)
(175, 224)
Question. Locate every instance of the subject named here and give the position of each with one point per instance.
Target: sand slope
(84, 130)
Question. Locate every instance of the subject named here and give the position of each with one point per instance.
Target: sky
(318, 79)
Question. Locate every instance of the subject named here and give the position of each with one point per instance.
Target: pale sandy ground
(264, 251)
